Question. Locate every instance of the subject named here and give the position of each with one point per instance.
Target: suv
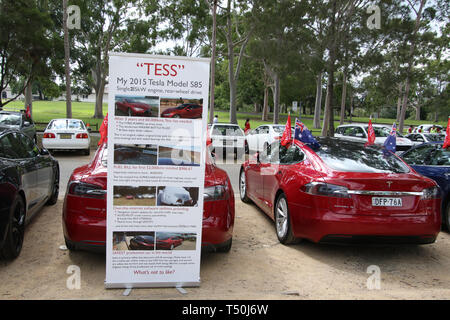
(19, 121)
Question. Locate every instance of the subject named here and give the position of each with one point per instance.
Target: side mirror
(26, 124)
(44, 152)
(89, 129)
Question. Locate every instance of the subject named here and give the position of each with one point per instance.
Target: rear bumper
(65, 144)
(326, 226)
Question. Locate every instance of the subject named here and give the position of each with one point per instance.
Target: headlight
(431, 193)
(86, 190)
(215, 193)
(325, 189)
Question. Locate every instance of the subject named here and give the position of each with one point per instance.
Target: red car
(341, 192)
(143, 242)
(167, 242)
(133, 107)
(84, 209)
(186, 111)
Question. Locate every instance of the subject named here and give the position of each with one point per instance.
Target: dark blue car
(432, 161)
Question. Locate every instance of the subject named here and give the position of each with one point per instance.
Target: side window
(31, 150)
(12, 148)
(440, 157)
(264, 130)
(292, 155)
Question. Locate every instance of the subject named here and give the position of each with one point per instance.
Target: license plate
(65, 136)
(386, 202)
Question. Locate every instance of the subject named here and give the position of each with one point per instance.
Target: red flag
(447, 135)
(28, 111)
(104, 131)
(286, 138)
(370, 134)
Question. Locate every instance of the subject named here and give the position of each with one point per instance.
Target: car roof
(364, 125)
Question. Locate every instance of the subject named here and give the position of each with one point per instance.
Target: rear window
(66, 124)
(224, 130)
(9, 119)
(354, 157)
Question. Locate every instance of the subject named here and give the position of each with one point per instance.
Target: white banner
(157, 117)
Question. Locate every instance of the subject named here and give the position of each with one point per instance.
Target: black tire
(243, 188)
(55, 189)
(15, 231)
(69, 245)
(226, 247)
(283, 225)
(446, 217)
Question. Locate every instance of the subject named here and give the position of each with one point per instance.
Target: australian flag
(302, 134)
(391, 143)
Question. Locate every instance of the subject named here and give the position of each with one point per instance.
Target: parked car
(342, 192)
(67, 134)
(135, 155)
(18, 121)
(227, 138)
(29, 179)
(419, 138)
(185, 111)
(424, 128)
(432, 161)
(262, 136)
(144, 242)
(84, 209)
(174, 196)
(358, 132)
(167, 242)
(133, 107)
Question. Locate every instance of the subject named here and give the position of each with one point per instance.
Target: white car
(229, 138)
(174, 196)
(358, 132)
(419, 138)
(67, 134)
(264, 135)
(425, 128)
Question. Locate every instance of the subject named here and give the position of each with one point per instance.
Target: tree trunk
(99, 101)
(29, 96)
(399, 101)
(328, 120)
(418, 112)
(344, 97)
(213, 65)
(410, 65)
(67, 62)
(265, 111)
(318, 105)
(276, 98)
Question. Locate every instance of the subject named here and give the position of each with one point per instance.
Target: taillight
(326, 189)
(430, 193)
(82, 136)
(49, 135)
(86, 190)
(218, 192)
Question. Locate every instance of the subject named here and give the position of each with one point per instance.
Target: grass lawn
(44, 111)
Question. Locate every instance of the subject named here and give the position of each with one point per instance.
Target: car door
(43, 164)
(14, 150)
(254, 177)
(252, 139)
(263, 137)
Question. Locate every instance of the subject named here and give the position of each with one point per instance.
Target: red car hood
(139, 105)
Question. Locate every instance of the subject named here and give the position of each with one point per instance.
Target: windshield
(8, 119)
(227, 131)
(66, 124)
(353, 157)
(279, 129)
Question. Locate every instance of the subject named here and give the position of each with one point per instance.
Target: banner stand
(157, 120)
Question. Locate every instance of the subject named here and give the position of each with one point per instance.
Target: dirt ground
(258, 267)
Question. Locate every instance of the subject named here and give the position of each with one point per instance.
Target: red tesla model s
(341, 192)
(84, 209)
(185, 110)
(133, 107)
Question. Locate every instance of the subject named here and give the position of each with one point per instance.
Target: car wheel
(243, 188)
(225, 248)
(283, 221)
(70, 245)
(176, 116)
(55, 190)
(447, 217)
(15, 231)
